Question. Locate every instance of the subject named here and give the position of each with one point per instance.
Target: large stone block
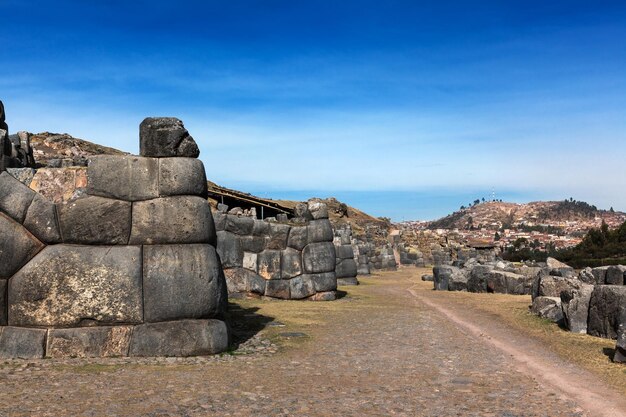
(22, 343)
(166, 137)
(278, 288)
(182, 176)
(323, 282)
(269, 264)
(239, 225)
(3, 302)
(68, 285)
(301, 287)
(126, 177)
(179, 338)
(278, 236)
(253, 244)
(181, 219)
(261, 228)
(220, 220)
(575, 305)
(15, 197)
(548, 308)
(89, 342)
(242, 280)
(346, 268)
(17, 246)
(298, 237)
(230, 249)
(291, 263)
(615, 275)
(620, 346)
(606, 304)
(318, 210)
(41, 220)
(320, 231)
(344, 252)
(181, 282)
(319, 257)
(600, 274)
(552, 286)
(95, 221)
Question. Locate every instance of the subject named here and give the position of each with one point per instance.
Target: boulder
(23, 175)
(298, 237)
(180, 338)
(428, 277)
(458, 280)
(291, 264)
(127, 177)
(181, 282)
(42, 221)
(346, 268)
(559, 269)
(615, 275)
(67, 285)
(269, 264)
(89, 342)
(17, 246)
(239, 225)
(347, 281)
(166, 137)
(320, 231)
(318, 210)
(319, 257)
(242, 280)
(22, 343)
(181, 219)
(278, 236)
(548, 308)
(620, 346)
(344, 252)
(575, 304)
(477, 281)
(278, 288)
(605, 308)
(230, 249)
(182, 176)
(323, 282)
(15, 197)
(442, 276)
(95, 221)
(552, 286)
(586, 276)
(302, 211)
(323, 296)
(600, 274)
(301, 287)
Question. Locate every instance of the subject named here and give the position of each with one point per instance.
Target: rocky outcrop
(128, 266)
(294, 259)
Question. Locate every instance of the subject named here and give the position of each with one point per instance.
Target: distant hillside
(496, 215)
(50, 148)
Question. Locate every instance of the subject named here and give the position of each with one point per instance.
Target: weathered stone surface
(278, 236)
(23, 175)
(89, 342)
(250, 261)
(600, 274)
(318, 210)
(127, 177)
(41, 220)
(17, 246)
(239, 225)
(620, 346)
(60, 185)
(320, 231)
(261, 228)
(179, 338)
(458, 280)
(278, 288)
(605, 307)
(551, 286)
(548, 308)
(323, 282)
(428, 277)
(319, 257)
(302, 211)
(181, 219)
(253, 244)
(517, 284)
(291, 265)
(586, 276)
(344, 252)
(68, 285)
(182, 176)
(323, 296)
(575, 305)
(346, 268)
(301, 287)
(556, 264)
(347, 281)
(477, 281)
(95, 221)
(166, 137)
(615, 275)
(230, 249)
(22, 343)
(243, 280)
(3, 302)
(269, 264)
(298, 237)
(219, 219)
(15, 197)
(441, 276)
(181, 282)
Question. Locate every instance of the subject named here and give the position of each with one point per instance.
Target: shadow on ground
(245, 323)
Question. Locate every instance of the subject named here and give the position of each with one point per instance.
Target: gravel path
(385, 354)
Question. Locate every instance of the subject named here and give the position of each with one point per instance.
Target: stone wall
(129, 268)
(287, 259)
(346, 267)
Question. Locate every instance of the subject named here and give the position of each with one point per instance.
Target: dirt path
(380, 351)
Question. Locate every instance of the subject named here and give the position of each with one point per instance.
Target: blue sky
(403, 108)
